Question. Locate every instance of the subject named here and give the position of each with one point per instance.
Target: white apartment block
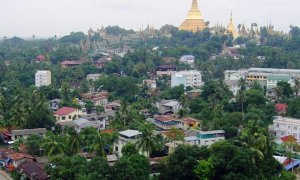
(193, 78)
(285, 126)
(42, 78)
(187, 59)
(232, 75)
(128, 136)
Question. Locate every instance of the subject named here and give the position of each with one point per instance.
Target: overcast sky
(45, 18)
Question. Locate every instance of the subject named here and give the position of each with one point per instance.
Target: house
(168, 106)
(171, 146)
(54, 104)
(188, 123)
(82, 123)
(93, 77)
(24, 133)
(166, 122)
(98, 98)
(106, 116)
(128, 136)
(18, 158)
(111, 159)
(207, 138)
(287, 163)
(114, 105)
(32, 170)
(70, 64)
(192, 94)
(165, 70)
(203, 138)
(281, 108)
(187, 59)
(151, 84)
(285, 126)
(67, 114)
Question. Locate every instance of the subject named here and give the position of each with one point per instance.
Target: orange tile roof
(65, 111)
(289, 138)
(189, 120)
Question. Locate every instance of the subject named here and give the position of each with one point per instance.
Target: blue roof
(293, 164)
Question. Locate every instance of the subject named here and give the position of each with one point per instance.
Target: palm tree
(101, 140)
(148, 140)
(53, 145)
(19, 114)
(73, 141)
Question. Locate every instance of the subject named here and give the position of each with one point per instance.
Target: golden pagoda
(194, 22)
(231, 28)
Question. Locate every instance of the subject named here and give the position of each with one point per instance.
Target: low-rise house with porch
(166, 122)
(67, 114)
(24, 133)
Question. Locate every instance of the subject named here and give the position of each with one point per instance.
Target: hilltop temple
(194, 22)
(231, 28)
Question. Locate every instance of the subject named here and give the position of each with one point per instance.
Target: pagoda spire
(231, 27)
(194, 22)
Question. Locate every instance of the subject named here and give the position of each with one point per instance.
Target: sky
(46, 18)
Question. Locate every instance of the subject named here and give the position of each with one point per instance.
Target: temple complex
(231, 28)
(194, 22)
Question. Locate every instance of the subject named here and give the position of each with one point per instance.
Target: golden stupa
(194, 22)
(231, 28)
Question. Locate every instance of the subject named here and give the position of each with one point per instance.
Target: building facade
(42, 78)
(192, 78)
(285, 126)
(128, 136)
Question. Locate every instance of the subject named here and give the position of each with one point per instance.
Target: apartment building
(42, 78)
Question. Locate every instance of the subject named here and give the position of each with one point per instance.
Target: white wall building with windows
(42, 78)
(285, 126)
(191, 78)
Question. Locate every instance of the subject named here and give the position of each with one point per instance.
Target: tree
(129, 149)
(285, 90)
(148, 140)
(204, 170)
(294, 108)
(100, 141)
(33, 145)
(182, 161)
(73, 141)
(53, 145)
(132, 167)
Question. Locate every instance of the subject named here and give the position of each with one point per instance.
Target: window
(277, 125)
(116, 148)
(63, 118)
(70, 117)
(295, 127)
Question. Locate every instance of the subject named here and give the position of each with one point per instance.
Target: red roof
(65, 111)
(281, 107)
(165, 118)
(18, 156)
(289, 138)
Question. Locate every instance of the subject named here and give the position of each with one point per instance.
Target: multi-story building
(42, 78)
(285, 126)
(128, 136)
(82, 123)
(190, 78)
(205, 138)
(177, 80)
(231, 75)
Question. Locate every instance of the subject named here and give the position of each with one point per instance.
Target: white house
(42, 78)
(128, 136)
(205, 138)
(285, 126)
